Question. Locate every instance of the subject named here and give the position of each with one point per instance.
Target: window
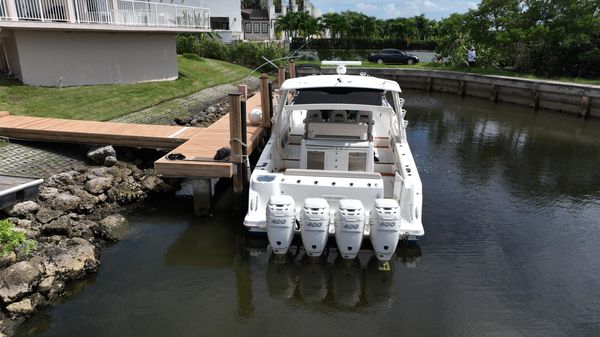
(256, 28)
(248, 28)
(357, 161)
(219, 23)
(265, 28)
(315, 160)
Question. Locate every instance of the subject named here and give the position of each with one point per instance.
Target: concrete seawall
(579, 99)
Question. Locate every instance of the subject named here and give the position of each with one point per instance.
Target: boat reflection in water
(332, 281)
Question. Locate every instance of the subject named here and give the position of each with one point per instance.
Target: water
(512, 248)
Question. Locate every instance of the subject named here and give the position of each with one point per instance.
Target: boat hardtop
(345, 81)
(337, 164)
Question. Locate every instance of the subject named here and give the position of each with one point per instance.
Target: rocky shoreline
(77, 212)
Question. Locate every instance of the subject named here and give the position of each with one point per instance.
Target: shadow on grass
(9, 82)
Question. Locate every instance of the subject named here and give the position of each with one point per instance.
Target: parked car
(392, 56)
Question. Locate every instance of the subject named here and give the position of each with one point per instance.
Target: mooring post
(264, 100)
(245, 164)
(235, 141)
(292, 68)
(270, 101)
(535, 99)
(461, 88)
(494, 93)
(585, 107)
(280, 76)
(203, 192)
(243, 90)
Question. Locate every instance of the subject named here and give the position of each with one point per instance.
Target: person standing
(471, 57)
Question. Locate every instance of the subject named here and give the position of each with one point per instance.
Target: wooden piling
(535, 99)
(585, 107)
(292, 65)
(280, 76)
(235, 141)
(264, 100)
(494, 93)
(461, 88)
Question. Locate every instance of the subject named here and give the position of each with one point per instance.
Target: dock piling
(264, 100)
(235, 140)
(280, 76)
(203, 193)
(292, 65)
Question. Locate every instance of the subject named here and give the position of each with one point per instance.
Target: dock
(91, 132)
(193, 148)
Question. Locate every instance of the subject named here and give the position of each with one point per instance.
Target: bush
(248, 54)
(363, 44)
(11, 240)
(192, 56)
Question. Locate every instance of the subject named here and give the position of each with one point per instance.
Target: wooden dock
(90, 132)
(198, 145)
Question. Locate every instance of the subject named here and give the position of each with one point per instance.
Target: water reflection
(331, 282)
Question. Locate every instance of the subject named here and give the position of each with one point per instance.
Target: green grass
(105, 102)
(476, 70)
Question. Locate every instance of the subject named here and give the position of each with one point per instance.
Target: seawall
(578, 99)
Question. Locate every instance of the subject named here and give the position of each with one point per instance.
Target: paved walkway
(45, 159)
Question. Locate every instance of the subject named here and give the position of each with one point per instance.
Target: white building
(84, 42)
(259, 25)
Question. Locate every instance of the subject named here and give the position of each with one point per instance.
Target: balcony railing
(109, 12)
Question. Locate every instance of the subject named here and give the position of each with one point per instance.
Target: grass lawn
(104, 102)
(476, 70)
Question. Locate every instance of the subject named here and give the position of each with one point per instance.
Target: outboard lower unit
(385, 228)
(281, 219)
(314, 225)
(349, 227)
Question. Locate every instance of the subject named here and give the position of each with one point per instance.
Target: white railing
(3, 10)
(110, 12)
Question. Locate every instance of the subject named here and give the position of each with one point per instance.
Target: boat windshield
(339, 96)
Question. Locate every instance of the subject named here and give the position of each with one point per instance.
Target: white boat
(337, 167)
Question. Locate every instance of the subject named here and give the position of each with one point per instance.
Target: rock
(45, 215)
(211, 109)
(46, 284)
(27, 305)
(7, 259)
(71, 258)
(47, 193)
(84, 229)
(98, 155)
(18, 280)
(112, 227)
(65, 202)
(23, 223)
(110, 161)
(124, 194)
(61, 226)
(99, 184)
(24, 208)
(62, 179)
(57, 288)
(97, 172)
(155, 184)
(87, 201)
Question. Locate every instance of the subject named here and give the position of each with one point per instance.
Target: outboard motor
(281, 218)
(349, 227)
(314, 225)
(385, 228)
